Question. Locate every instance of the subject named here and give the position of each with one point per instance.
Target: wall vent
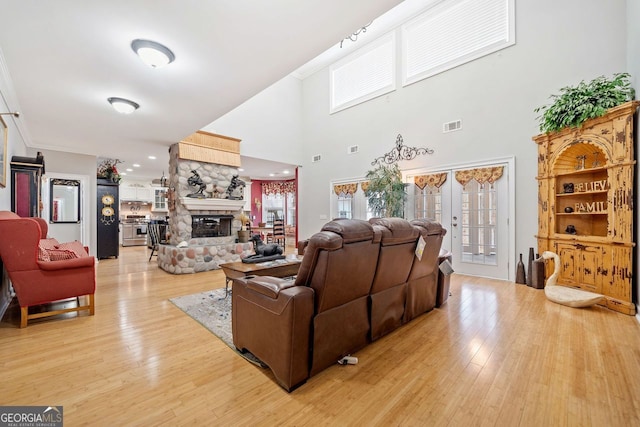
(316, 158)
(352, 149)
(452, 126)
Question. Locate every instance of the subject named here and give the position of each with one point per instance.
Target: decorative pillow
(44, 246)
(60, 254)
(75, 247)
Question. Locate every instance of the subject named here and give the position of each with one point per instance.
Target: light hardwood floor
(496, 353)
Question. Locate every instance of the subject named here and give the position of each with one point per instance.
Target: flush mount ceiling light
(123, 106)
(152, 53)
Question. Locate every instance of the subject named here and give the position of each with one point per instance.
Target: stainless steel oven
(134, 231)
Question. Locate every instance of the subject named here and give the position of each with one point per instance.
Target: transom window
(455, 32)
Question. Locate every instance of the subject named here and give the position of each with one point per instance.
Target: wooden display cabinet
(585, 204)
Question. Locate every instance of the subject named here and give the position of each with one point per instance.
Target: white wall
(557, 44)
(82, 166)
(269, 124)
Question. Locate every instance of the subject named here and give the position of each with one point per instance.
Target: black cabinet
(108, 218)
(26, 175)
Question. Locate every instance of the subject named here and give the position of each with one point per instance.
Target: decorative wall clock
(108, 212)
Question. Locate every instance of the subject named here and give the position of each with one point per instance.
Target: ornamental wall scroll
(401, 152)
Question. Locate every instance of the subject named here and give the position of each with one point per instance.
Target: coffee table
(278, 268)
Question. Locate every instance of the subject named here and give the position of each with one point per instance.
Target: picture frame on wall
(3, 154)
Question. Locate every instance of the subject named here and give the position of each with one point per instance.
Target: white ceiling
(64, 58)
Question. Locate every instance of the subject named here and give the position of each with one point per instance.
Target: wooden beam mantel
(209, 147)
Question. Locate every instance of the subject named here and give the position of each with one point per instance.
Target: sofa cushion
(350, 230)
(75, 247)
(60, 254)
(44, 246)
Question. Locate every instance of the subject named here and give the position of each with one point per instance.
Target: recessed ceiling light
(240, 170)
(152, 53)
(123, 173)
(122, 105)
(152, 157)
(286, 172)
(136, 165)
(272, 174)
(129, 170)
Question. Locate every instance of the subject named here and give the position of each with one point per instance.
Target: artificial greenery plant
(585, 101)
(386, 193)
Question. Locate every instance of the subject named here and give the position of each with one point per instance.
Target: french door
(474, 204)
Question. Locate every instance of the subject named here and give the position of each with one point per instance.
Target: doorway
(67, 231)
(474, 202)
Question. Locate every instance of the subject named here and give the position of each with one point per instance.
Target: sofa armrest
(269, 286)
(66, 264)
(274, 329)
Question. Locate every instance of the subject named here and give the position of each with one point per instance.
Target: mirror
(65, 200)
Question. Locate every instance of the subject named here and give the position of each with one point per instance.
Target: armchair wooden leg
(92, 306)
(24, 315)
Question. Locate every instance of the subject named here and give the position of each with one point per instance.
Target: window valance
(481, 175)
(278, 187)
(432, 180)
(345, 189)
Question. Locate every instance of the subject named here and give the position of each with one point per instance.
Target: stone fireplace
(203, 231)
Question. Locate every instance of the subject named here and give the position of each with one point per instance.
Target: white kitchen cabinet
(137, 193)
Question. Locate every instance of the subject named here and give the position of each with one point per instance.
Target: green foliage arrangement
(585, 101)
(386, 193)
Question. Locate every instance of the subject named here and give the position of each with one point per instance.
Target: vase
(520, 277)
(530, 267)
(243, 236)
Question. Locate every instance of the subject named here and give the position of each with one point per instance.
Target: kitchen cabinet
(160, 199)
(585, 204)
(136, 192)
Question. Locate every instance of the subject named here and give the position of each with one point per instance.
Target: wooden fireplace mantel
(211, 204)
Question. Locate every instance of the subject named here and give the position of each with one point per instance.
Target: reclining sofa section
(357, 282)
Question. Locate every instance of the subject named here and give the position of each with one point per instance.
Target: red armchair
(40, 282)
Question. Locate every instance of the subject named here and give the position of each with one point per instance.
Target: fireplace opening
(211, 225)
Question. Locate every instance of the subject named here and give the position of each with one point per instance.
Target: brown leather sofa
(351, 289)
(424, 279)
(388, 293)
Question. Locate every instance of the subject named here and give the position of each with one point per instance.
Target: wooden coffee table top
(278, 268)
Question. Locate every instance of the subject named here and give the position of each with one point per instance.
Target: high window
(367, 73)
(455, 32)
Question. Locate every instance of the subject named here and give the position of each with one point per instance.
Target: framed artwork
(3, 154)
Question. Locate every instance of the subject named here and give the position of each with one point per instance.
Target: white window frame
(463, 58)
(353, 59)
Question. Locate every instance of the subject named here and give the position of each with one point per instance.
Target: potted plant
(575, 105)
(386, 191)
(243, 233)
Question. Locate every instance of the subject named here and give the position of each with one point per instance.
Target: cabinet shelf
(581, 213)
(583, 171)
(582, 193)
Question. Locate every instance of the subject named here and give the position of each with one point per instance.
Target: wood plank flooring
(496, 353)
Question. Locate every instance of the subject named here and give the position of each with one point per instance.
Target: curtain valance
(345, 189)
(432, 180)
(481, 175)
(278, 187)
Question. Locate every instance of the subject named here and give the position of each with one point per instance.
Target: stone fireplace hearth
(189, 252)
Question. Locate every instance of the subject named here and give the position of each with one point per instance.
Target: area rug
(213, 311)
